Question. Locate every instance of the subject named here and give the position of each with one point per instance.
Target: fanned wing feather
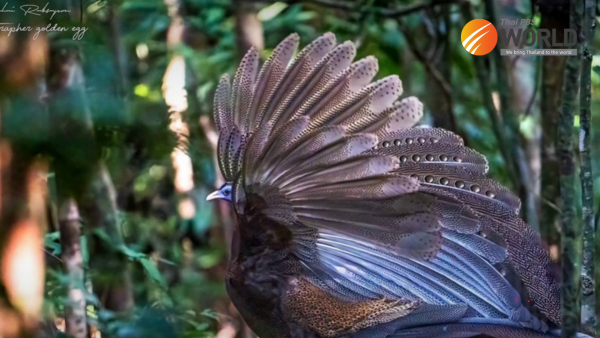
(222, 106)
(419, 134)
(379, 208)
(403, 115)
(303, 70)
(324, 79)
(271, 79)
(343, 92)
(243, 89)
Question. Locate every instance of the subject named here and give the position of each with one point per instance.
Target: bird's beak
(214, 195)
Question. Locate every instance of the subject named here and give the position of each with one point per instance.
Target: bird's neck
(260, 250)
(258, 234)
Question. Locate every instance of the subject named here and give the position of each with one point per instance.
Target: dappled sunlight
(176, 99)
(22, 268)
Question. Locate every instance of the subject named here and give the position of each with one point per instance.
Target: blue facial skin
(225, 192)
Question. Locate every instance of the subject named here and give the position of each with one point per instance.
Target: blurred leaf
(51, 242)
(271, 11)
(152, 271)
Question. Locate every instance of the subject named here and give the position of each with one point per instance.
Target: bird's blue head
(225, 192)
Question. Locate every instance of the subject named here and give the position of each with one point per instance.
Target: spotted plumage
(353, 222)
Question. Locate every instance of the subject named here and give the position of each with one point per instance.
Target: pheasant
(354, 222)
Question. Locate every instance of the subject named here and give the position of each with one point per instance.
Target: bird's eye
(226, 192)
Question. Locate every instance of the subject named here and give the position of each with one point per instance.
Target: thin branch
(438, 76)
(381, 11)
(53, 256)
(552, 205)
(348, 6)
(447, 89)
(536, 88)
(420, 6)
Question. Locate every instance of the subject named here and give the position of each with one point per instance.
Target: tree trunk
(588, 316)
(553, 18)
(571, 230)
(70, 233)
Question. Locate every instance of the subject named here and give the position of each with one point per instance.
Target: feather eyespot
(429, 179)
(429, 157)
(403, 159)
(434, 140)
(386, 144)
(443, 158)
(421, 140)
(459, 184)
(416, 158)
(457, 159)
(409, 141)
(397, 142)
(444, 181)
(490, 194)
(475, 188)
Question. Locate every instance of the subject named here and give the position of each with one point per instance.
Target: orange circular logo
(479, 37)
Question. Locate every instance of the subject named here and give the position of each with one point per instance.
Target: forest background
(107, 144)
